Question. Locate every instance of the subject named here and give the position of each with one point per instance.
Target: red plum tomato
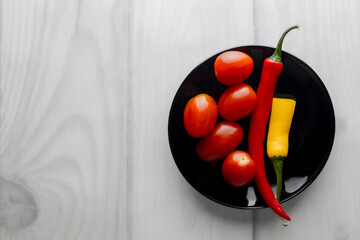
(238, 169)
(223, 139)
(200, 115)
(237, 102)
(233, 67)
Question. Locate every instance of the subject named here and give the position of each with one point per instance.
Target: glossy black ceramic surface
(311, 135)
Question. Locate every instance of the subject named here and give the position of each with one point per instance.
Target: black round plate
(310, 140)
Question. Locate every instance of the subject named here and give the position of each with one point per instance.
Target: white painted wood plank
(169, 38)
(63, 119)
(328, 41)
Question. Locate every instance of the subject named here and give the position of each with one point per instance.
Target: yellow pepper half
(282, 112)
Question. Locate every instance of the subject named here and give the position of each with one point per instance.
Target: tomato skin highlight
(237, 102)
(238, 169)
(233, 67)
(200, 115)
(223, 139)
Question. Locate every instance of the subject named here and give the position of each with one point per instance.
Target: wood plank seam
(129, 123)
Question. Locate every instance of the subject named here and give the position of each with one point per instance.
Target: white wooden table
(86, 88)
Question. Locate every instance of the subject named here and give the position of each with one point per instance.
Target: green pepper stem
(276, 57)
(278, 163)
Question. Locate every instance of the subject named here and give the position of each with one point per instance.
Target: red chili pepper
(272, 68)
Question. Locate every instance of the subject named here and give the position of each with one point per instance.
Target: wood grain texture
(169, 39)
(328, 41)
(63, 119)
(85, 92)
